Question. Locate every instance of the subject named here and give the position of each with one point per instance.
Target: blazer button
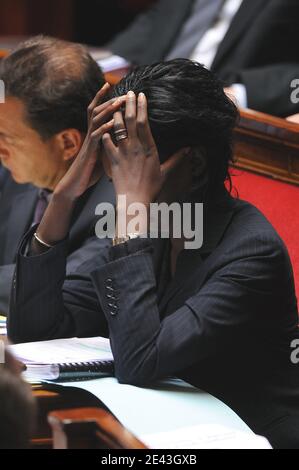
(114, 309)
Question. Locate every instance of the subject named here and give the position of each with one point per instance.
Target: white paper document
(207, 436)
(170, 405)
(64, 351)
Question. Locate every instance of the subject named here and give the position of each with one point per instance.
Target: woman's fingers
(110, 149)
(143, 127)
(97, 134)
(131, 114)
(106, 113)
(98, 98)
(95, 137)
(120, 130)
(99, 109)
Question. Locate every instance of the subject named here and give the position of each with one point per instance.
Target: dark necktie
(203, 16)
(41, 206)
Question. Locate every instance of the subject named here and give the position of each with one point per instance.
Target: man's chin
(17, 178)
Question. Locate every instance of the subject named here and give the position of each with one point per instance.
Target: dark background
(90, 21)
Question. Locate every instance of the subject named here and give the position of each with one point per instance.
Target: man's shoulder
(9, 188)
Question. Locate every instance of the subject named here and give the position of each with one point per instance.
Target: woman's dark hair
(187, 106)
(56, 81)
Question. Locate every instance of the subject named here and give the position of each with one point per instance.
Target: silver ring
(121, 134)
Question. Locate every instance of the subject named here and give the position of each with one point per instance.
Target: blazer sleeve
(147, 349)
(53, 296)
(269, 88)
(132, 42)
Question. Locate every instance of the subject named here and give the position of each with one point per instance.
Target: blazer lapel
(176, 11)
(240, 24)
(20, 217)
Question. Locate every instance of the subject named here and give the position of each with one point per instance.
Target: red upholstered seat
(280, 204)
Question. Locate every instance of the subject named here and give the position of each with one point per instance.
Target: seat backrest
(90, 428)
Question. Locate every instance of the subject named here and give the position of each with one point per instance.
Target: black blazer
(259, 50)
(17, 205)
(225, 323)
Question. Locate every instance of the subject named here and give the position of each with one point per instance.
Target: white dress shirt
(207, 48)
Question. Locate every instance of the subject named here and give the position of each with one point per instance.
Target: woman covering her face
(222, 316)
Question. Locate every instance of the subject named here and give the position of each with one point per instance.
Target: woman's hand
(134, 162)
(84, 172)
(87, 169)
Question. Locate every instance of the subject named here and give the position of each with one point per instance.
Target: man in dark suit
(222, 317)
(250, 44)
(43, 123)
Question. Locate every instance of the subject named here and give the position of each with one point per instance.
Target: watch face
(120, 240)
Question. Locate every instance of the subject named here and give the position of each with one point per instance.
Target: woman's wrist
(132, 220)
(64, 200)
(55, 224)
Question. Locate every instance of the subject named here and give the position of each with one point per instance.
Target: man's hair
(187, 107)
(56, 80)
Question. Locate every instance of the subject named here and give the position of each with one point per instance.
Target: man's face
(23, 152)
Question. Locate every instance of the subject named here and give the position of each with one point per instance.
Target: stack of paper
(63, 351)
(64, 358)
(3, 330)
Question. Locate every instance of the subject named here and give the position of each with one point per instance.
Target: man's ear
(70, 142)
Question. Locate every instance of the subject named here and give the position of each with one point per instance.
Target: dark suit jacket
(259, 50)
(3, 177)
(17, 205)
(225, 323)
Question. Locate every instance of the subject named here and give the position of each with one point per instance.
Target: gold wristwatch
(131, 236)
